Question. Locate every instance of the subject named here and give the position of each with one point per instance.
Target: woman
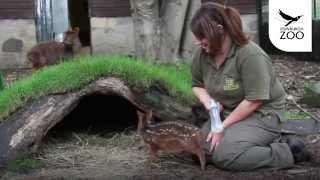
(235, 72)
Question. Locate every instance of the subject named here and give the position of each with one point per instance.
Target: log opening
(98, 114)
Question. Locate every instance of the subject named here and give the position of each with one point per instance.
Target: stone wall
(16, 38)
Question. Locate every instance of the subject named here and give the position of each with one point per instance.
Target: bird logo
(290, 19)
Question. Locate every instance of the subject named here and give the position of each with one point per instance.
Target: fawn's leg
(201, 156)
(153, 151)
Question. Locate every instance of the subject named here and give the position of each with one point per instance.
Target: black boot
(298, 149)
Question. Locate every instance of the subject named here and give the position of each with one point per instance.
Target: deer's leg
(153, 152)
(201, 155)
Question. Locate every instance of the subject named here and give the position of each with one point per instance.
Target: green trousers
(251, 144)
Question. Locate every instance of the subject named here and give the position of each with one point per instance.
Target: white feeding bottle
(216, 123)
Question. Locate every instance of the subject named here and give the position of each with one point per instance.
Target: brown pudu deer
(52, 52)
(171, 137)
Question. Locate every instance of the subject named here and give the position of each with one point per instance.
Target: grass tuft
(293, 115)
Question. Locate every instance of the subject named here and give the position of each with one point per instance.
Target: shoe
(299, 150)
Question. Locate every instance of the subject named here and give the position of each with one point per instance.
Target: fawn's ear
(76, 30)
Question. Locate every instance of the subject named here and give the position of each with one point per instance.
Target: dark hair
(204, 24)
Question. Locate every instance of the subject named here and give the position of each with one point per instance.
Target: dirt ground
(83, 156)
(121, 155)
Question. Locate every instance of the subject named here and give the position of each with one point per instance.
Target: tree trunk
(172, 23)
(158, 28)
(145, 16)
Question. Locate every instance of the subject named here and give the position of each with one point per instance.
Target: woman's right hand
(214, 139)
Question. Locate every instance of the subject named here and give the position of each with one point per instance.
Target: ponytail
(234, 26)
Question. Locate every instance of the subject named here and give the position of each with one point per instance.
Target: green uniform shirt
(246, 73)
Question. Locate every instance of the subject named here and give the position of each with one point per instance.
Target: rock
(300, 126)
(2, 81)
(312, 95)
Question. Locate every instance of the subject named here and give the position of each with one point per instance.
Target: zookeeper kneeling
(238, 74)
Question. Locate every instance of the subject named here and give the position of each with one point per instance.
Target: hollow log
(21, 133)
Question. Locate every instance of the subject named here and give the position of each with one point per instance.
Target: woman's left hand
(215, 139)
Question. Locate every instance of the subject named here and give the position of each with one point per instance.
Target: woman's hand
(215, 139)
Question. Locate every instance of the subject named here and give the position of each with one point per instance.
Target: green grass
(292, 115)
(72, 75)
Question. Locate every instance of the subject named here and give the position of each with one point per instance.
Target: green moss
(72, 75)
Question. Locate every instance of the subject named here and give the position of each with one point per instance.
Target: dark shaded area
(17, 9)
(79, 17)
(98, 114)
(12, 45)
(110, 8)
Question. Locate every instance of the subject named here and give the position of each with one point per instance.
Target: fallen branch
(284, 131)
(290, 97)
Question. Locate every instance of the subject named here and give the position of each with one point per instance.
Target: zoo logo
(291, 32)
(290, 25)
(230, 84)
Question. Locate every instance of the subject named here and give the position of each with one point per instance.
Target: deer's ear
(76, 30)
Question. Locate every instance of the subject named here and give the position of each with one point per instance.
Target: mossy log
(21, 133)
